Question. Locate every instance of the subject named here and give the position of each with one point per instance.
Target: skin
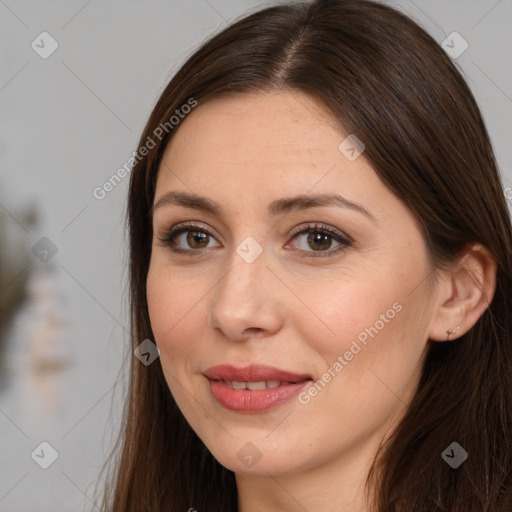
(292, 311)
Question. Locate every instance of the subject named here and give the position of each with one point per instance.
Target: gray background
(69, 122)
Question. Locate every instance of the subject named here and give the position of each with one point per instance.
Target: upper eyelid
(188, 226)
(320, 226)
(297, 229)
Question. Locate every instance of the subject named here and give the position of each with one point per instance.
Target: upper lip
(252, 373)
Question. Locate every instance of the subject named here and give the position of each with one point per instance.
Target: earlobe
(464, 294)
(452, 332)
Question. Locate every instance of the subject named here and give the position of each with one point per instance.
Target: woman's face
(345, 307)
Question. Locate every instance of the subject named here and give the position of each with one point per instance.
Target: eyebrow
(277, 207)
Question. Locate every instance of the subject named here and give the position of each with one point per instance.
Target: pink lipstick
(253, 388)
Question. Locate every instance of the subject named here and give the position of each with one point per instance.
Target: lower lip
(241, 400)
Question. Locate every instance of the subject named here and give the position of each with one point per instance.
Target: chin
(245, 458)
(261, 468)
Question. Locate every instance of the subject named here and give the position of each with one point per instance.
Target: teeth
(253, 386)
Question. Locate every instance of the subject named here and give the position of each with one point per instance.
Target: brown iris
(319, 240)
(199, 237)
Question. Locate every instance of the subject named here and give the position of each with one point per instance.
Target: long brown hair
(387, 81)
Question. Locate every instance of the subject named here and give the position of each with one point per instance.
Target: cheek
(172, 308)
(376, 352)
(368, 368)
(347, 312)
(371, 336)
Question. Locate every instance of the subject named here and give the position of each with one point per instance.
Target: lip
(258, 400)
(252, 373)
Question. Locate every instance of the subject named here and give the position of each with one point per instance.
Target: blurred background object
(32, 316)
(14, 263)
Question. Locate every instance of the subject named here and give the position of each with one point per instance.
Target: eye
(320, 238)
(195, 236)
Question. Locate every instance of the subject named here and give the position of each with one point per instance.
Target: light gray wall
(69, 122)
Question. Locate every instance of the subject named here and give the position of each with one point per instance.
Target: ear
(464, 293)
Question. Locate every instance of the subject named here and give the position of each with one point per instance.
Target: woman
(321, 252)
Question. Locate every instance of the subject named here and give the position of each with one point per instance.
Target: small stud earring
(451, 331)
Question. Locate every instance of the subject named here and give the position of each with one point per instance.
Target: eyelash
(169, 236)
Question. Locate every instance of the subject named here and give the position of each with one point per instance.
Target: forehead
(261, 139)
(267, 132)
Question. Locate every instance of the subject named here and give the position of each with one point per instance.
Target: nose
(247, 299)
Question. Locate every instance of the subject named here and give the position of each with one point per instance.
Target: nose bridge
(246, 276)
(242, 300)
